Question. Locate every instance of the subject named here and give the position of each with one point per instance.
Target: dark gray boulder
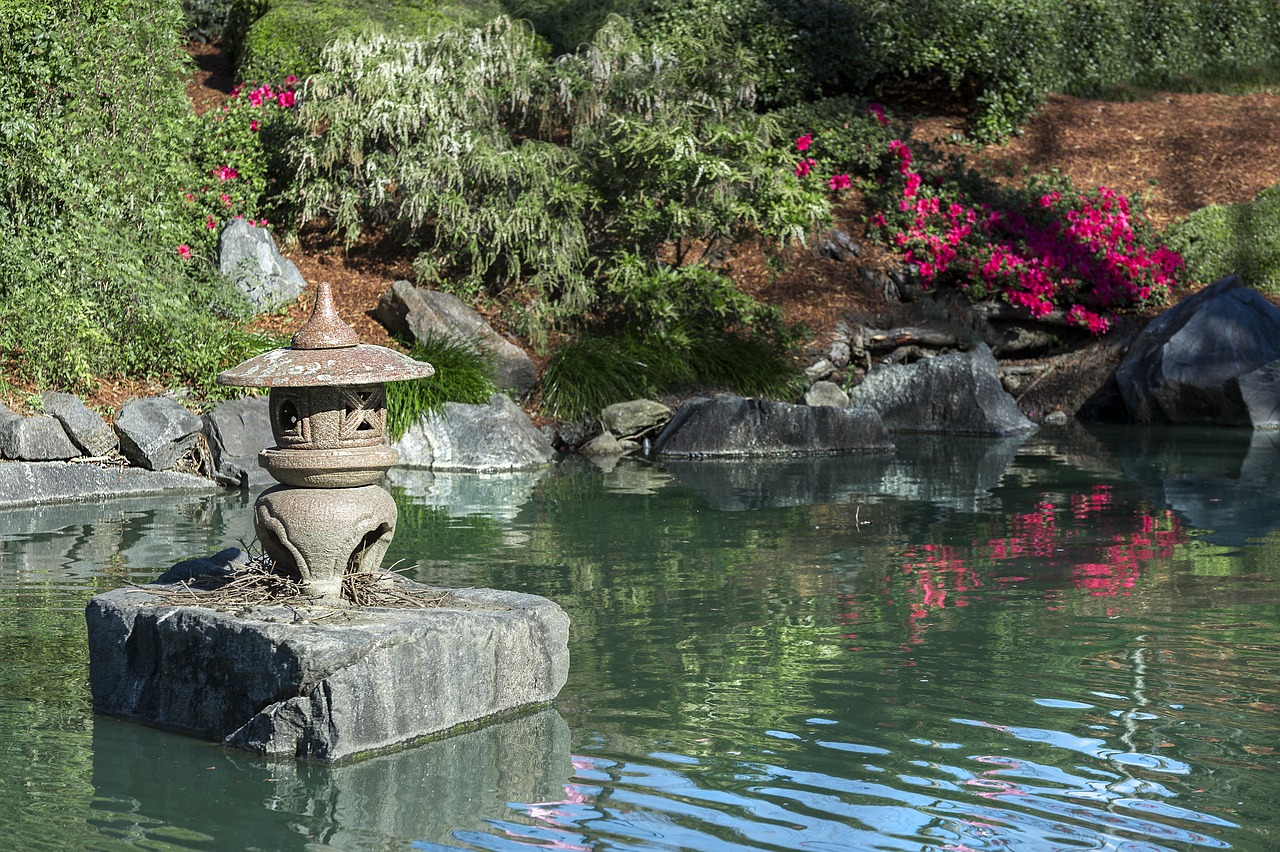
(39, 438)
(1210, 360)
(957, 394)
(734, 426)
(84, 427)
(322, 683)
(416, 312)
(248, 256)
(237, 430)
(496, 436)
(156, 431)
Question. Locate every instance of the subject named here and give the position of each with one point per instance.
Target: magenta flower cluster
(238, 180)
(1086, 254)
(805, 167)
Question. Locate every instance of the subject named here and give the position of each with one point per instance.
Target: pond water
(1065, 644)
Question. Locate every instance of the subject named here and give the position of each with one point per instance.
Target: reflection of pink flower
(184, 251)
(803, 143)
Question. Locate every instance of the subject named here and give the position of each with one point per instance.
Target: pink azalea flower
(253, 126)
(804, 167)
(184, 251)
(285, 99)
(802, 144)
(839, 182)
(878, 111)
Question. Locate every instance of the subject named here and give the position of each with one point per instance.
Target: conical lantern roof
(325, 351)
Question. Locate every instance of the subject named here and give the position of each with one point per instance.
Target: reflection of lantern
(329, 417)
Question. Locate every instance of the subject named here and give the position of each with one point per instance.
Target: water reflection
(152, 788)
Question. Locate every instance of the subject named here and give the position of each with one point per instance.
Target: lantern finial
(325, 329)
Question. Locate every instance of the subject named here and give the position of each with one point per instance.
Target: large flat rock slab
(323, 683)
(37, 483)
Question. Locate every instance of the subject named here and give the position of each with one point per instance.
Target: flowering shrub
(235, 160)
(1047, 247)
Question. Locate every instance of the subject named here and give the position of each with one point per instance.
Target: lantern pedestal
(319, 682)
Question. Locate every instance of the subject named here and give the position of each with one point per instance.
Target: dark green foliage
(1002, 56)
(535, 181)
(594, 371)
(463, 374)
(1243, 239)
(95, 135)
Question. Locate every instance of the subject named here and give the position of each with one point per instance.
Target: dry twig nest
(255, 583)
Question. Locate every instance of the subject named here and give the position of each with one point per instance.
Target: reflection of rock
(631, 476)
(1226, 482)
(734, 485)
(496, 495)
(424, 793)
(951, 471)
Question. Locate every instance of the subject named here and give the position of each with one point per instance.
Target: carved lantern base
(318, 535)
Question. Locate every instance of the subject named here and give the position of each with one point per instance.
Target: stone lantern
(328, 407)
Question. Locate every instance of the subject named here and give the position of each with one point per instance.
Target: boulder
(415, 312)
(293, 681)
(496, 436)
(604, 444)
(1211, 359)
(248, 256)
(634, 417)
(957, 394)
(39, 438)
(734, 426)
(836, 244)
(237, 430)
(826, 393)
(156, 431)
(93, 435)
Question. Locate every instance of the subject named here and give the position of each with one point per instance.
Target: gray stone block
(826, 393)
(237, 430)
(248, 256)
(955, 394)
(39, 438)
(155, 432)
(38, 483)
(497, 436)
(322, 683)
(84, 427)
(733, 426)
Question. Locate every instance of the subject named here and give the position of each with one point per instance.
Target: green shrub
(289, 36)
(1242, 239)
(530, 179)
(95, 135)
(463, 374)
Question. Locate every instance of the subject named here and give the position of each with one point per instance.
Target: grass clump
(464, 371)
(1244, 239)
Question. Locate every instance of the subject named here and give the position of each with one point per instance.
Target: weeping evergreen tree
(545, 183)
